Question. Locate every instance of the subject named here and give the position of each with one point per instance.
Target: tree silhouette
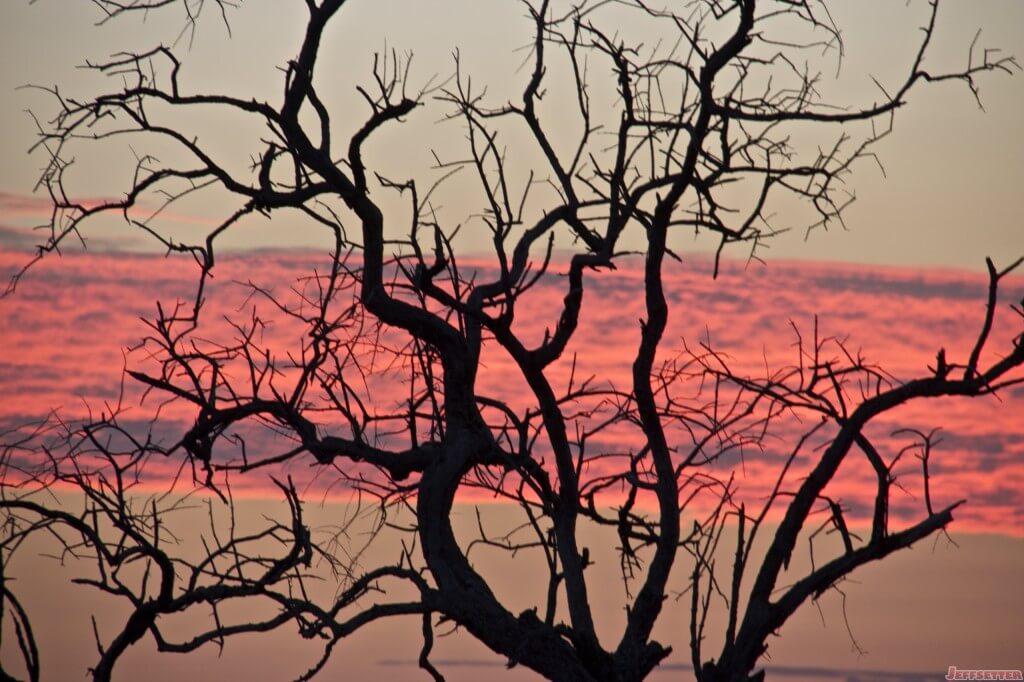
(704, 128)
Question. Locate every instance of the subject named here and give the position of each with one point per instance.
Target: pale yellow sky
(919, 611)
(950, 197)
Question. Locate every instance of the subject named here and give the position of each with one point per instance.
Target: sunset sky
(905, 278)
(949, 196)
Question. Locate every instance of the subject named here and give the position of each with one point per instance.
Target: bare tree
(723, 101)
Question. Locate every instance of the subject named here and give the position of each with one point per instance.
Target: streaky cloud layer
(74, 324)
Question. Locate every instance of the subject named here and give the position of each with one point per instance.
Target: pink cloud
(67, 331)
(20, 213)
